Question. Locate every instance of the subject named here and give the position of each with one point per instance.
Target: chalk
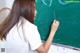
(54, 15)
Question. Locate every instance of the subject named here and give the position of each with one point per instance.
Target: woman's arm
(45, 47)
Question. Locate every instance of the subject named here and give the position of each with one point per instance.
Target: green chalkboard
(67, 13)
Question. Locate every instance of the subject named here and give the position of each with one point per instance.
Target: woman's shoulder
(28, 24)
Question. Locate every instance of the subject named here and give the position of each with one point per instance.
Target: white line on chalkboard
(46, 3)
(50, 3)
(62, 2)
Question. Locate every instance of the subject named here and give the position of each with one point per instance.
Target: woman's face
(35, 12)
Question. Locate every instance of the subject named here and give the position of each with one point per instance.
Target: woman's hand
(44, 48)
(54, 26)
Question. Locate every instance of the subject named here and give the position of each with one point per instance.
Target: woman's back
(17, 42)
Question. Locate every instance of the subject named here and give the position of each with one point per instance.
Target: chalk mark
(62, 2)
(46, 3)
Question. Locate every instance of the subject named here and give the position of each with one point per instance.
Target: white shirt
(22, 41)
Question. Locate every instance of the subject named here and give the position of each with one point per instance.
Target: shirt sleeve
(33, 36)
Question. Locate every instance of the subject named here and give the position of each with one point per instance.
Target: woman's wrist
(52, 33)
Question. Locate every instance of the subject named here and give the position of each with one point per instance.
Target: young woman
(19, 34)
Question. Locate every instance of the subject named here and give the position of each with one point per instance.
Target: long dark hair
(24, 8)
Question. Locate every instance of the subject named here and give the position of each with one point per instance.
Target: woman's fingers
(55, 25)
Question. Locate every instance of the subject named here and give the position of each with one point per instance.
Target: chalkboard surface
(67, 13)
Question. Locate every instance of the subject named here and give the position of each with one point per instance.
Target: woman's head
(23, 8)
